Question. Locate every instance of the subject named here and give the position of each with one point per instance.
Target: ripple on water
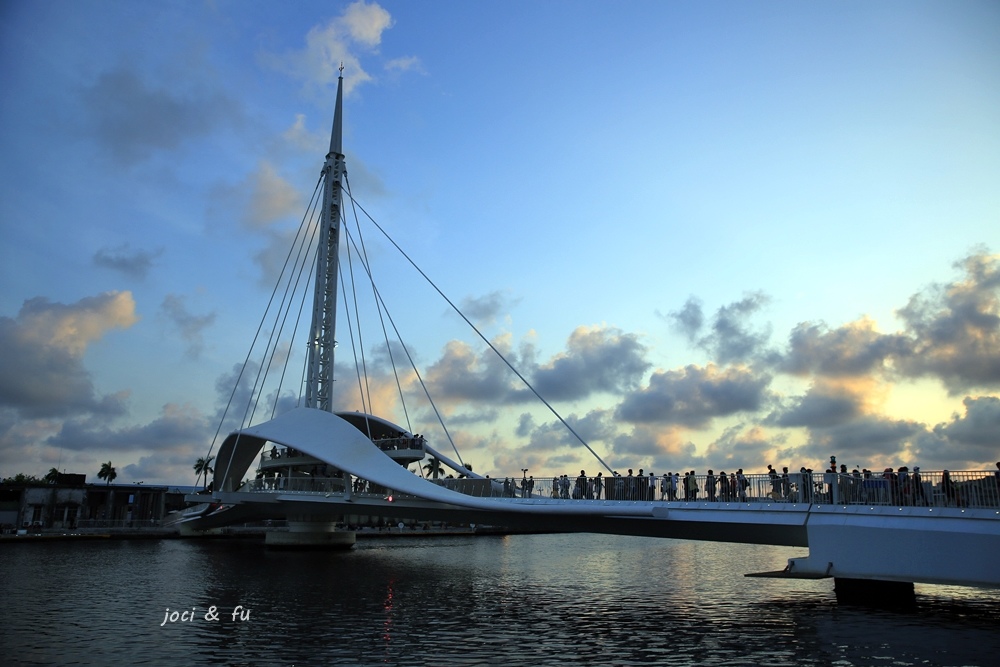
(518, 600)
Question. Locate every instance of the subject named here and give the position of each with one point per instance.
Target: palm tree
(468, 466)
(107, 472)
(203, 466)
(433, 468)
(52, 475)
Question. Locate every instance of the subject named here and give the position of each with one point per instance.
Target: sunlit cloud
(340, 41)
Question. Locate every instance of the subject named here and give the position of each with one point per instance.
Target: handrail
(972, 489)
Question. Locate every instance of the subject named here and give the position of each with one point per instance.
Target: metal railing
(287, 456)
(973, 489)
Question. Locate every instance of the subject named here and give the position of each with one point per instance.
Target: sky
(710, 234)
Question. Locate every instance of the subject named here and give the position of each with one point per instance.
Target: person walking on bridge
(693, 481)
(724, 487)
(775, 482)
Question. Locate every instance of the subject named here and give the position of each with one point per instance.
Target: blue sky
(712, 234)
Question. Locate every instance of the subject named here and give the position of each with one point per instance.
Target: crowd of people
(900, 486)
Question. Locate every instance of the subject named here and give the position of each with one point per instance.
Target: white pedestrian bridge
(945, 530)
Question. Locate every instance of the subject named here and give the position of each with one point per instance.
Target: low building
(70, 503)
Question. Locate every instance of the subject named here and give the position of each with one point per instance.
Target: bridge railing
(976, 489)
(927, 489)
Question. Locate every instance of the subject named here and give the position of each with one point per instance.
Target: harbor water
(463, 601)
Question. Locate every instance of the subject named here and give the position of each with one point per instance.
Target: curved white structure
(332, 439)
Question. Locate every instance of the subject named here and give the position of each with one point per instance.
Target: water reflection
(542, 599)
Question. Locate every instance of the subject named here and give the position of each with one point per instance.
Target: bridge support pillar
(310, 534)
(874, 593)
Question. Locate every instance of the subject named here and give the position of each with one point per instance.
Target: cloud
(652, 446)
(694, 396)
(191, 327)
(132, 119)
(866, 441)
(302, 139)
(973, 437)
(730, 339)
(853, 349)
(955, 328)
(405, 64)
(827, 403)
(167, 447)
(462, 375)
(133, 263)
(740, 447)
(41, 370)
(177, 426)
(525, 425)
(485, 310)
(272, 198)
(689, 319)
(365, 22)
(327, 46)
(596, 360)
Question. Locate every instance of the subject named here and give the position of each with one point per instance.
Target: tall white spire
(319, 371)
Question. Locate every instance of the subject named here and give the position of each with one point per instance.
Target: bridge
(322, 465)
(862, 532)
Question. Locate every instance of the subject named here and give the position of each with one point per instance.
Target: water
(517, 600)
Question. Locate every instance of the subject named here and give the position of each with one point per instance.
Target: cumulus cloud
(856, 348)
(460, 374)
(826, 403)
(867, 440)
(133, 263)
(971, 437)
(738, 447)
(41, 370)
(358, 28)
(177, 425)
(955, 328)
(694, 396)
(166, 447)
(651, 446)
(596, 360)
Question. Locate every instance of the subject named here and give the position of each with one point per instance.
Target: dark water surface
(542, 600)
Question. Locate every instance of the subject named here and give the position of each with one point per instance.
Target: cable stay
(479, 333)
(315, 250)
(293, 283)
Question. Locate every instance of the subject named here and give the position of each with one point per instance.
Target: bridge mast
(319, 370)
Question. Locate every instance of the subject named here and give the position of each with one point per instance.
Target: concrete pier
(310, 535)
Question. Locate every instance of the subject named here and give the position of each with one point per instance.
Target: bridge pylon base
(310, 535)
